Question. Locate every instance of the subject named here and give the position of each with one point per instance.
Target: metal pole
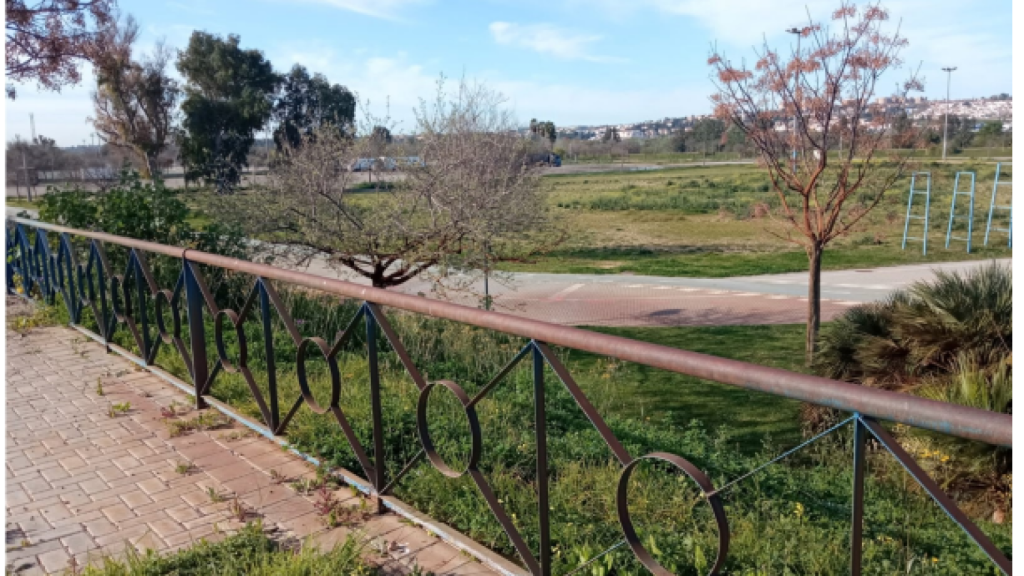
(487, 278)
(945, 123)
(376, 412)
(540, 426)
(196, 331)
(268, 344)
(857, 519)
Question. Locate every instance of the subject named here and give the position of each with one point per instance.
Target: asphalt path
(626, 300)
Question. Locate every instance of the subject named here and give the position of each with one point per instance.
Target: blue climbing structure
(994, 205)
(927, 192)
(970, 210)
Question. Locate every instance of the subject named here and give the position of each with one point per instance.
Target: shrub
(151, 212)
(144, 211)
(948, 340)
(925, 334)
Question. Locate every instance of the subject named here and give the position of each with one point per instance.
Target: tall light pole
(945, 123)
(796, 87)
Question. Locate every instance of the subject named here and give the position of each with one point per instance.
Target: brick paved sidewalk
(83, 483)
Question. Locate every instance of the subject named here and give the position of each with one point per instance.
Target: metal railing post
(857, 517)
(196, 331)
(268, 344)
(379, 469)
(540, 425)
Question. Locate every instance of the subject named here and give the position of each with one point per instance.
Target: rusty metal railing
(48, 271)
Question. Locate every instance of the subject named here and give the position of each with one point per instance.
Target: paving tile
(54, 561)
(83, 486)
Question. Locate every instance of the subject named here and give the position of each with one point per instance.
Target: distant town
(999, 107)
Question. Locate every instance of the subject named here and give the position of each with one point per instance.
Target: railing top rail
(961, 421)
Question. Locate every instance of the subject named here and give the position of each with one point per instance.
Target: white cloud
(386, 9)
(548, 39)
(940, 33)
(401, 83)
(739, 22)
(391, 85)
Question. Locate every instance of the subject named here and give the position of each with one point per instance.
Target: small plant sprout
(214, 495)
(183, 468)
(277, 477)
(238, 509)
(305, 486)
(99, 386)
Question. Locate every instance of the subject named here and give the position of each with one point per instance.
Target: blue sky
(569, 61)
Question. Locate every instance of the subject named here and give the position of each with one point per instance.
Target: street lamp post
(796, 87)
(945, 123)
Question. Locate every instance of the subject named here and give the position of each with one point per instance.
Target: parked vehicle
(543, 159)
(361, 165)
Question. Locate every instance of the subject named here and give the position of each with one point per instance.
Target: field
(715, 221)
(658, 157)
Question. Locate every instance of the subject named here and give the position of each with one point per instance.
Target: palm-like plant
(925, 333)
(948, 340)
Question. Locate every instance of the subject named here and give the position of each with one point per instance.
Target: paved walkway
(84, 482)
(625, 300)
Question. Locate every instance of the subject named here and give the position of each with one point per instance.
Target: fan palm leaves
(925, 333)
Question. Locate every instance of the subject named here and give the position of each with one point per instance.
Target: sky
(568, 61)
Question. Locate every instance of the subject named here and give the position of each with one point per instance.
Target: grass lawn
(713, 222)
(675, 400)
(21, 203)
(648, 262)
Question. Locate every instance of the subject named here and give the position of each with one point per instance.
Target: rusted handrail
(961, 421)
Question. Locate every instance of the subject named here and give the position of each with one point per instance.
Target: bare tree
(134, 100)
(47, 39)
(469, 187)
(789, 107)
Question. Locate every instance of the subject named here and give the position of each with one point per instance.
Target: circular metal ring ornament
(705, 485)
(158, 301)
(243, 348)
(300, 367)
(424, 430)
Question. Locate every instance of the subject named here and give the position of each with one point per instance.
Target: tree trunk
(813, 299)
(150, 162)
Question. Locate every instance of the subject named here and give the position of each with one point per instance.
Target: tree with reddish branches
(47, 39)
(792, 109)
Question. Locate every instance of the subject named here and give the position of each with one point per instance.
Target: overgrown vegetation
(791, 517)
(248, 553)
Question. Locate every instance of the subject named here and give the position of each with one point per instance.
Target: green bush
(924, 334)
(950, 340)
(150, 212)
(143, 211)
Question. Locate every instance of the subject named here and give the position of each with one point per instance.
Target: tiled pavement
(82, 484)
